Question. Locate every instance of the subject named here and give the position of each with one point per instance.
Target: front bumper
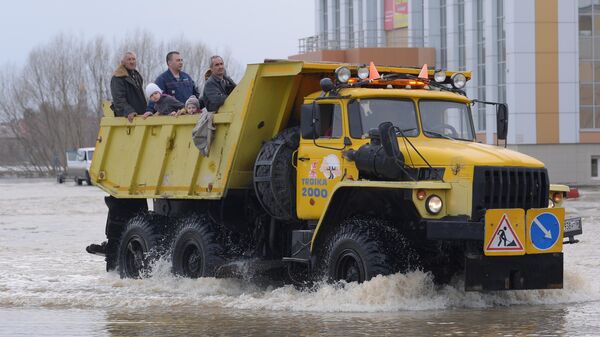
(537, 271)
(459, 228)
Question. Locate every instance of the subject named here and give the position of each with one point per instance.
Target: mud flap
(536, 271)
(119, 212)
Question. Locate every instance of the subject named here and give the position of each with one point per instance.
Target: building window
(589, 65)
(371, 28)
(461, 35)
(350, 20)
(595, 167)
(361, 27)
(325, 25)
(481, 108)
(336, 25)
(416, 26)
(501, 44)
(443, 30)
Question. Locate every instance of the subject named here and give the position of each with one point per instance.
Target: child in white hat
(163, 104)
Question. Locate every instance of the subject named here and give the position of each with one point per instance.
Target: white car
(78, 166)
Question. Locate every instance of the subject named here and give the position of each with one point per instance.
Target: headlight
(363, 71)
(440, 76)
(434, 204)
(342, 74)
(459, 80)
(557, 197)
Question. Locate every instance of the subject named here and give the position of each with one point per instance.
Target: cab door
(320, 162)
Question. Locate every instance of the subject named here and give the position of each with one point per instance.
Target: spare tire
(275, 175)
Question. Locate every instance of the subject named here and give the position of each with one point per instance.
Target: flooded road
(49, 286)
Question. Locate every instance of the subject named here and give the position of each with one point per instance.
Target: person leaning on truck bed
(218, 86)
(126, 88)
(174, 81)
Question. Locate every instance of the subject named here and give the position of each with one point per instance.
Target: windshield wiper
(401, 132)
(437, 134)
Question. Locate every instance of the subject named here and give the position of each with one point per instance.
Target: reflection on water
(488, 322)
(49, 287)
(215, 321)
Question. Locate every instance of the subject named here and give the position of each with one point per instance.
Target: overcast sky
(251, 29)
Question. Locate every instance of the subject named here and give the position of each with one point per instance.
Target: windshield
(445, 119)
(72, 155)
(367, 114)
(80, 155)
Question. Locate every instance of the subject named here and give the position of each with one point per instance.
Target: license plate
(572, 227)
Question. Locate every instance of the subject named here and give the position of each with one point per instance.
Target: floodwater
(49, 286)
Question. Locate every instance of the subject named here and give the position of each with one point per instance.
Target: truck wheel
(78, 181)
(60, 179)
(275, 175)
(196, 251)
(139, 247)
(363, 248)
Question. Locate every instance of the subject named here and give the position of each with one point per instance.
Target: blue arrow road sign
(544, 231)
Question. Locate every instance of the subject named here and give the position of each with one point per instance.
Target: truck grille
(508, 187)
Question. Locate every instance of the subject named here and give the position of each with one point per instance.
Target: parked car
(78, 166)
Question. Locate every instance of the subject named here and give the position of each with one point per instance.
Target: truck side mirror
(310, 121)
(389, 141)
(501, 121)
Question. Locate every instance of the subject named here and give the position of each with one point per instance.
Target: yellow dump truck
(332, 171)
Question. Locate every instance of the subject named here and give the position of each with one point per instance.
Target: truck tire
(196, 250)
(362, 248)
(78, 181)
(275, 175)
(140, 245)
(60, 178)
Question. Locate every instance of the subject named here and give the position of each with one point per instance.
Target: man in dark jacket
(126, 88)
(218, 86)
(174, 81)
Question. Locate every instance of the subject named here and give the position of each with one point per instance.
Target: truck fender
(350, 198)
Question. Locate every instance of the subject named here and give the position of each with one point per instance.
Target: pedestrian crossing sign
(504, 232)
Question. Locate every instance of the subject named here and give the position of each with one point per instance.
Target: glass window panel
(331, 121)
(597, 117)
(586, 118)
(586, 73)
(597, 48)
(369, 113)
(446, 119)
(596, 24)
(583, 4)
(585, 24)
(597, 94)
(585, 94)
(596, 71)
(585, 48)
(595, 167)
(72, 155)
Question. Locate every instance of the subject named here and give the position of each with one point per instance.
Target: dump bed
(156, 157)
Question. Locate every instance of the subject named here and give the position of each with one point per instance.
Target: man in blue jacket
(174, 81)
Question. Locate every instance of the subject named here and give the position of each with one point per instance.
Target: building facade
(541, 57)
